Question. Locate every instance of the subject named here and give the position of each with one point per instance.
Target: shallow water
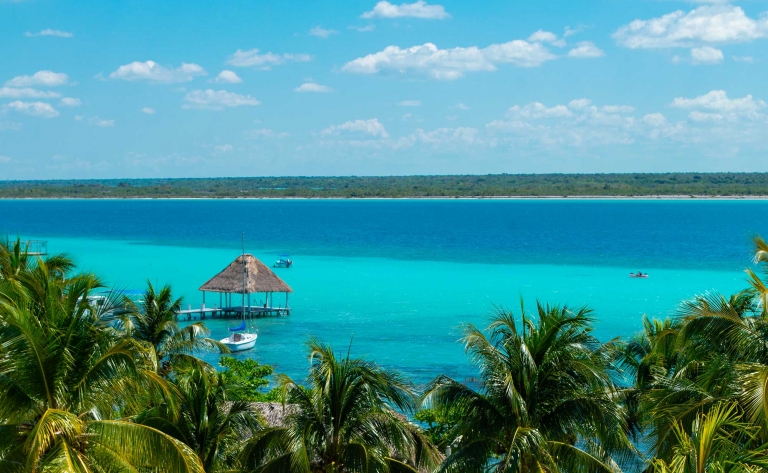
(397, 278)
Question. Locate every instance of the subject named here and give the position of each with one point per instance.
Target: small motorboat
(638, 274)
(283, 261)
(239, 339)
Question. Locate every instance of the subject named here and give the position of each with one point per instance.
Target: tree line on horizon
(98, 383)
(491, 185)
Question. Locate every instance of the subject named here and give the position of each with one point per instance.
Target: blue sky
(239, 88)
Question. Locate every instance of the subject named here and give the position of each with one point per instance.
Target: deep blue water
(400, 277)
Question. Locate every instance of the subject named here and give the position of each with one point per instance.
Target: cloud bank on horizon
(381, 88)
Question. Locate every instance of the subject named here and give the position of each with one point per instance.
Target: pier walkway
(204, 312)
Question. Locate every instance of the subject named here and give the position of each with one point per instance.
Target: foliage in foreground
(90, 383)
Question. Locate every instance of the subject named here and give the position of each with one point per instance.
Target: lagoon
(398, 278)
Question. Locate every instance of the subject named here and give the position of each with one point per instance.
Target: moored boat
(239, 339)
(283, 261)
(638, 274)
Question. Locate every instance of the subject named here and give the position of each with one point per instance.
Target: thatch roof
(258, 278)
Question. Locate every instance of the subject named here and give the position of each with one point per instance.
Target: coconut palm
(65, 381)
(15, 259)
(154, 321)
(205, 419)
(545, 401)
(715, 443)
(347, 419)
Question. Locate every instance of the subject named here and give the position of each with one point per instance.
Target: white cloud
(101, 122)
(40, 78)
(654, 119)
(70, 102)
(222, 149)
(705, 24)
(35, 109)
(154, 72)
(5, 159)
(228, 77)
(617, 109)
(747, 59)
(461, 106)
(542, 36)
(148, 110)
(706, 55)
(449, 64)
(370, 127)
(321, 32)
(216, 99)
(539, 110)
(312, 87)
(266, 133)
(252, 58)
(406, 117)
(26, 93)
(586, 49)
(49, 32)
(698, 116)
(419, 9)
(718, 101)
(362, 29)
(578, 104)
(410, 103)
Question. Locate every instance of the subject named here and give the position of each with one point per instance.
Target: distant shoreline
(513, 197)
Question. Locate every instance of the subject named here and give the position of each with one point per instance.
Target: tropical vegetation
(490, 185)
(92, 381)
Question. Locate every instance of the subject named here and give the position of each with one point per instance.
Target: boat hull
(246, 341)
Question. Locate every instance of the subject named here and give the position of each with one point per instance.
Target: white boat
(239, 339)
(283, 261)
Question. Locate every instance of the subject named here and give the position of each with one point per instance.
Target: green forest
(492, 185)
(93, 383)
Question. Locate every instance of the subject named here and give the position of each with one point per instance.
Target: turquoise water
(397, 279)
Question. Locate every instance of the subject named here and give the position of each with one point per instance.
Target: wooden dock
(251, 312)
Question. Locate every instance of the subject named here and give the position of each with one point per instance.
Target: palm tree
(719, 355)
(204, 418)
(15, 259)
(154, 321)
(66, 379)
(546, 399)
(345, 420)
(716, 443)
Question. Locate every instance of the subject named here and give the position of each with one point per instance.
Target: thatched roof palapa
(258, 278)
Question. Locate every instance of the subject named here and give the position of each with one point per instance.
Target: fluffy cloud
(321, 32)
(266, 133)
(586, 49)
(410, 103)
(370, 127)
(461, 106)
(449, 64)
(746, 59)
(70, 102)
(101, 122)
(706, 55)
(216, 99)
(312, 87)
(5, 159)
(39, 78)
(49, 32)
(705, 24)
(718, 101)
(27, 93)
(148, 110)
(419, 9)
(228, 77)
(154, 72)
(542, 36)
(539, 110)
(35, 109)
(252, 58)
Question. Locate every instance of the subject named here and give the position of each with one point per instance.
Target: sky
(108, 89)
